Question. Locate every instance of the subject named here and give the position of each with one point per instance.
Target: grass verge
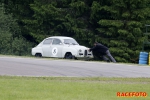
(68, 88)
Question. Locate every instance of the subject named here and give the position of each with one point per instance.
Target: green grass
(67, 88)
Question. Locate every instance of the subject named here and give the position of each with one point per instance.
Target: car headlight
(80, 50)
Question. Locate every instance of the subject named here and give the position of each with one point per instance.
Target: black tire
(38, 55)
(68, 56)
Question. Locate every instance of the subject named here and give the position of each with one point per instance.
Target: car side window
(56, 42)
(47, 42)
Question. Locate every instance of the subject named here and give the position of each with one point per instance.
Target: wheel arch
(73, 51)
(38, 54)
(67, 53)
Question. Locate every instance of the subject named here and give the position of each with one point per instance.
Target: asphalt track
(36, 67)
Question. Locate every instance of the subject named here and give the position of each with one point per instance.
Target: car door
(46, 47)
(56, 46)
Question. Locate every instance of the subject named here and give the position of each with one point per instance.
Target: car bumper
(84, 57)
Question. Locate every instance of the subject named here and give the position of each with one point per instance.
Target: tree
(10, 43)
(122, 31)
(118, 24)
(20, 10)
(46, 21)
(64, 18)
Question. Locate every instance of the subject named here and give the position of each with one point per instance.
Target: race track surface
(17, 66)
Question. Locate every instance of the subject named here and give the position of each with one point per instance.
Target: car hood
(78, 47)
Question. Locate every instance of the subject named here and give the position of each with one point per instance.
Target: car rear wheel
(38, 55)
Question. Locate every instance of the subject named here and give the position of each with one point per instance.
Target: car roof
(60, 37)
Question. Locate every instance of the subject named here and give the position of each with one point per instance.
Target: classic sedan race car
(61, 47)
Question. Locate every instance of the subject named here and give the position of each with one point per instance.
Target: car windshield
(70, 41)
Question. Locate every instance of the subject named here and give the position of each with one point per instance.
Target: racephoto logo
(131, 94)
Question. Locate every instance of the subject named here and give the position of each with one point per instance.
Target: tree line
(118, 24)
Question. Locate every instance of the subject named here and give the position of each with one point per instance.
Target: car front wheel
(68, 55)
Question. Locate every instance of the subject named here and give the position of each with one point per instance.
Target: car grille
(85, 53)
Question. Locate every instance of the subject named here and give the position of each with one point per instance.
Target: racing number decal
(54, 51)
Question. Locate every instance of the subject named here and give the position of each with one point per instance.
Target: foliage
(118, 24)
(123, 29)
(11, 41)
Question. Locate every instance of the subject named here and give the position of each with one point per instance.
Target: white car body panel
(50, 48)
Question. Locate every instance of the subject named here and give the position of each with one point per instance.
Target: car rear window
(47, 41)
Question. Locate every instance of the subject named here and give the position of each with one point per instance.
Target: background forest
(118, 24)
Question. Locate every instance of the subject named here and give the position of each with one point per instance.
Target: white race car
(61, 47)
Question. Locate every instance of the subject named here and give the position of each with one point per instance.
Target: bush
(11, 42)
